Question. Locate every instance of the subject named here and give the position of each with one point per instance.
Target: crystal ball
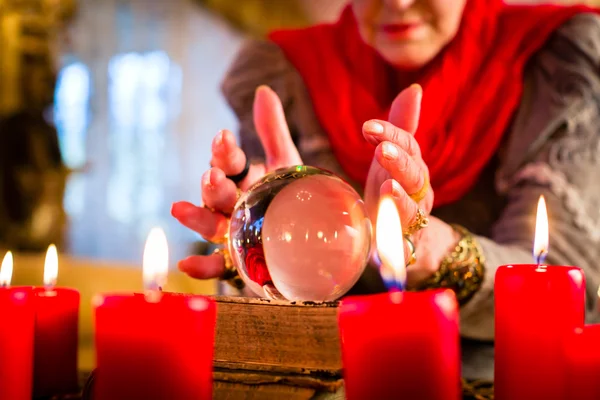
(300, 234)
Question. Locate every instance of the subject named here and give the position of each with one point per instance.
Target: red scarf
(471, 90)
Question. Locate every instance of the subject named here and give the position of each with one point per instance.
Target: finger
(401, 166)
(407, 208)
(376, 131)
(256, 172)
(201, 220)
(226, 154)
(415, 275)
(203, 267)
(218, 192)
(272, 129)
(426, 265)
(406, 109)
(429, 250)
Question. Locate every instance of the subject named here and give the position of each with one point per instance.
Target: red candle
(154, 345)
(582, 350)
(399, 345)
(56, 330)
(536, 307)
(16, 337)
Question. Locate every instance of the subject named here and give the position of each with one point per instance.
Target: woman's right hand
(219, 193)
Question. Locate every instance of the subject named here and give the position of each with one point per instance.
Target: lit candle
(154, 345)
(398, 344)
(56, 334)
(536, 306)
(16, 336)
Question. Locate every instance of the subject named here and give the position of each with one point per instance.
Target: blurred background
(107, 112)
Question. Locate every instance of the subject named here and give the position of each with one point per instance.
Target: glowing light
(51, 267)
(541, 241)
(6, 270)
(156, 261)
(390, 244)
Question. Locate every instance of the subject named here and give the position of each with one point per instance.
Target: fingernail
(395, 187)
(219, 138)
(261, 87)
(389, 151)
(419, 89)
(373, 127)
(206, 179)
(179, 209)
(181, 265)
(215, 177)
(226, 136)
(416, 86)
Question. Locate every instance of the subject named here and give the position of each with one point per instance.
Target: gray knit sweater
(552, 148)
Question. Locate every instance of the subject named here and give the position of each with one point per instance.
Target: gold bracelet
(462, 270)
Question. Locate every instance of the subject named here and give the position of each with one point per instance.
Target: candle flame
(156, 260)
(541, 241)
(51, 267)
(390, 246)
(6, 270)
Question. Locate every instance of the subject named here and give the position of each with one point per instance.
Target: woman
(508, 111)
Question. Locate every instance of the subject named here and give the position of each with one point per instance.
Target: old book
(277, 336)
(255, 385)
(268, 349)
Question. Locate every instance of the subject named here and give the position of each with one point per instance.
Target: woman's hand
(219, 193)
(399, 171)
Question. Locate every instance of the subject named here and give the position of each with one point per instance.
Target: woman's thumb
(406, 109)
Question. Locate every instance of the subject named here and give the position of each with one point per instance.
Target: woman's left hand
(399, 171)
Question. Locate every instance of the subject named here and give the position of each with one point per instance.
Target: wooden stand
(266, 349)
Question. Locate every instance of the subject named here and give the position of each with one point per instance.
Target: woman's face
(408, 33)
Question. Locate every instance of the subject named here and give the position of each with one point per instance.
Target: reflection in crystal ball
(300, 234)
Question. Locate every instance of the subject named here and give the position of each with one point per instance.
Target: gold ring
(230, 275)
(421, 221)
(420, 195)
(413, 255)
(216, 239)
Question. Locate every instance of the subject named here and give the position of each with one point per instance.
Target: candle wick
(541, 256)
(50, 285)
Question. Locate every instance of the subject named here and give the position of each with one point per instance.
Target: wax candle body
(56, 340)
(16, 343)
(583, 360)
(154, 350)
(535, 308)
(401, 345)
